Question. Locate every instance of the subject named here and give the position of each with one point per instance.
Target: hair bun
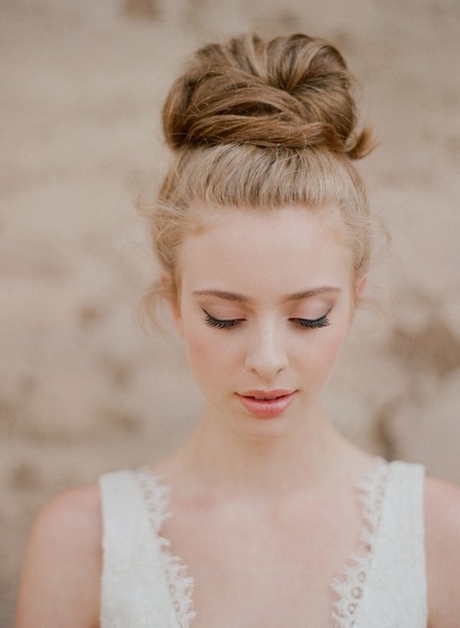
(291, 92)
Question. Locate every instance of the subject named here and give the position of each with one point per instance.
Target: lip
(266, 404)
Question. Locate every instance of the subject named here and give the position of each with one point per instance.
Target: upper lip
(266, 394)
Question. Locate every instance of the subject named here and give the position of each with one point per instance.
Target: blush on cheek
(328, 352)
(200, 358)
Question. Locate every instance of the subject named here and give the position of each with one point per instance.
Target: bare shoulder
(71, 519)
(60, 583)
(442, 526)
(442, 511)
(74, 507)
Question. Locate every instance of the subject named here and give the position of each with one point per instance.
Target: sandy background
(82, 388)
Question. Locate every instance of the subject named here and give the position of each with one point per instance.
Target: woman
(263, 233)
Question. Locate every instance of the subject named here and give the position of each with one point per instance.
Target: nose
(266, 353)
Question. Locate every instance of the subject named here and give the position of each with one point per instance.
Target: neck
(304, 458)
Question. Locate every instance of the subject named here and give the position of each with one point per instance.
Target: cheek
(204, 355)
(340, 331)
(336, 344)
(197, 348)
(328, 348)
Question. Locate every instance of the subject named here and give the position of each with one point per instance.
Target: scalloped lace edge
(179, 583)
(349, 585)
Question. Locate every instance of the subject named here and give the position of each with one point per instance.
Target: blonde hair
(261, 125)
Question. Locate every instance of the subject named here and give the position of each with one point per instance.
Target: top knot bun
(291, 92)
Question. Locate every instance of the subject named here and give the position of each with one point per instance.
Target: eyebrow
(240, 298)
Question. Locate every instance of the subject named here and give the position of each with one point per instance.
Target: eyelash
(305, 323)
(221, 324)
(302, 323)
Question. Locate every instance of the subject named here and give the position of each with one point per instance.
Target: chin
(265, 430)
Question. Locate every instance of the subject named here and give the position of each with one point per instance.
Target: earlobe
(167, 285)
(176, 314)
(360, 286)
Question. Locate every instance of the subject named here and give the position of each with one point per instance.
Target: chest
(270, 569)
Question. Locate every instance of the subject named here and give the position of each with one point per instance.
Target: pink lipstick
(266, 404)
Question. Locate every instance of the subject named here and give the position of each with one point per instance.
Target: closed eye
(220, 323)
(307, 323)
(229, 323)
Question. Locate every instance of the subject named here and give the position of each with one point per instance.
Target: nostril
(266, 355)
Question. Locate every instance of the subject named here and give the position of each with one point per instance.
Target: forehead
(257, 251)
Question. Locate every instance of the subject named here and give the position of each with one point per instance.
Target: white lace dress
(384, 586)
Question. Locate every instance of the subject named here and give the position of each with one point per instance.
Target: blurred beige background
(82, 388)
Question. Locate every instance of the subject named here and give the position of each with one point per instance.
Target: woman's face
(265, 303)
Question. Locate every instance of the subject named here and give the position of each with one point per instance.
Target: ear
(359, 287)
(173, 300)
(176, 314)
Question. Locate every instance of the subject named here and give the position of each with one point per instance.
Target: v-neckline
(348, 586)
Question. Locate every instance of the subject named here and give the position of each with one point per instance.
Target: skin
(254, 272)
(249, 489)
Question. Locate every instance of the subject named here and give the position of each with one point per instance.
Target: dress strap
(395, 589)
(134, 591)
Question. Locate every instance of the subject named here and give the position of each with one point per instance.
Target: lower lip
(266, 408)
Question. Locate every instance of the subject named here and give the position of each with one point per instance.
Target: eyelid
(302, 323)
(315, 323)
(219, 323)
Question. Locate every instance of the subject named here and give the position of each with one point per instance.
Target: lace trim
(179, 583)
(349, 586)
